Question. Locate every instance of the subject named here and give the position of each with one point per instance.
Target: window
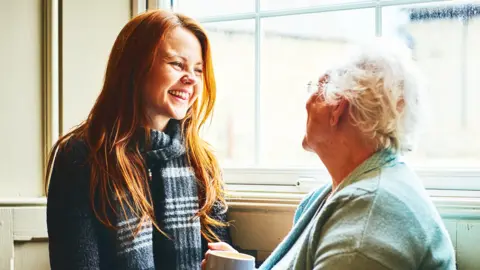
(443, 38)
(266, 51)
(233, 127)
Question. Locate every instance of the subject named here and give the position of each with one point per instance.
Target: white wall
(21, 85)
(89, 30)
(23, 238)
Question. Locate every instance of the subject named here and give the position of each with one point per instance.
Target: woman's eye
(199, 71)
(177, 64)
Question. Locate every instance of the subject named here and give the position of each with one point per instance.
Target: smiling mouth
(179, 94)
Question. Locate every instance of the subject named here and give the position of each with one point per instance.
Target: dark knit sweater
(77, 240)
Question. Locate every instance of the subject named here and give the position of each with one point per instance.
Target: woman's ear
(338, 110)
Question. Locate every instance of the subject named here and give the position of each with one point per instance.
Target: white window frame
(439, 181)
(156, 4)
(442, 183)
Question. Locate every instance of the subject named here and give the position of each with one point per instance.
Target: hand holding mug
(221, 256)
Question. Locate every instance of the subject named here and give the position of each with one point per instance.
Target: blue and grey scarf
(175, 199)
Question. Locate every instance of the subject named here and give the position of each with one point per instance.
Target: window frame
(443, 182)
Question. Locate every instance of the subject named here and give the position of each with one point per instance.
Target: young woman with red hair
(134, 186)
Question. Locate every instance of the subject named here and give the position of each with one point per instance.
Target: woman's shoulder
(397, 186)
(73, 151)
(386, 179)
(387, 194)
(70, 166)
(309, 200)
(386, 203)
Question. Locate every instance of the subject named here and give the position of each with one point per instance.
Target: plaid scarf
(175, 200)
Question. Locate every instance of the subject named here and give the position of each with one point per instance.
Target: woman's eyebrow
(170, 55)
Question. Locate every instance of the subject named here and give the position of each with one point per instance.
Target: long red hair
(111, 129)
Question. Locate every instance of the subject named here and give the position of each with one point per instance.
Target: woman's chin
(305, 145)
(178, 114)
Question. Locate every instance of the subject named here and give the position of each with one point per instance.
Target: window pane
(231, 131)
(296, 49)
(286, 4)
(472, 78)
(205, 8)
(445, 40)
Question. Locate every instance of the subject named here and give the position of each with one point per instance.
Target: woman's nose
(189, 79)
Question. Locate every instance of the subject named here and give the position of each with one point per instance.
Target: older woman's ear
(338, 111)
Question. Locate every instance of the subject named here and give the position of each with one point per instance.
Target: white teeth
(180, 94)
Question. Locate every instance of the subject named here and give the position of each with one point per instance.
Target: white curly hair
(385, 91)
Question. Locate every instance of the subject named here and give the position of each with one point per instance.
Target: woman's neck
(344, 160)
(158, 122)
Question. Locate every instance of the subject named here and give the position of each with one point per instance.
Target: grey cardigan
(380, 217)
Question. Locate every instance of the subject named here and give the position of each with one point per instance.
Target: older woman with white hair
(375, 214)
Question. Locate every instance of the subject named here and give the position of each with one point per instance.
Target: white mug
(226, 260)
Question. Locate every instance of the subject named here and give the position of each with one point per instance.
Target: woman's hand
(222, 246)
